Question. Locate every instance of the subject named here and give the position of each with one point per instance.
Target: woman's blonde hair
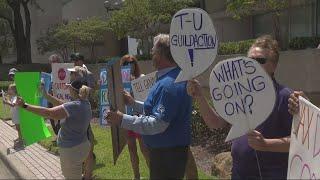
(84, 92)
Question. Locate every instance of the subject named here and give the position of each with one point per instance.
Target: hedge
(304, 42)
(239, 47)
(4, 85)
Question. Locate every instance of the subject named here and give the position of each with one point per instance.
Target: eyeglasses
(260, 60)
(126, 63)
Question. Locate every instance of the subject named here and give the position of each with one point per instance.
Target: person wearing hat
(11, 74)
(72, 139)
(78, 60)
(82, 74)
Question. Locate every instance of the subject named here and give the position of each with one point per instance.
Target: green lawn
(4, 111)
(104, 167)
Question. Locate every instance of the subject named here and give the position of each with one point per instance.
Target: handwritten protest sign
(243, 94)
(304, 156)
(142, 85)
(104, 103)
(33, 127)
(193, 42)
(61, 76)
(46, 81)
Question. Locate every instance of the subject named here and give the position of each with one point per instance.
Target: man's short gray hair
(54, 58)
(162, 46)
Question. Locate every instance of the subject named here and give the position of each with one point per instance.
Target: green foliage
(6, 39)
(239, 47)
(61, 38)
(51, 43)
(304, 42)
(242, 8)
(143, 18)
(4, 85)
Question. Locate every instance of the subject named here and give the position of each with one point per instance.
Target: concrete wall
(227, 28)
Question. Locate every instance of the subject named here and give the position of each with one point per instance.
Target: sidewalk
(32, 162)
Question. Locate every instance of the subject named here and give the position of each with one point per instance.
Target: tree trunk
(92, 53)
(1, 59)
(277, 29)
(27, 33)
(19, 35)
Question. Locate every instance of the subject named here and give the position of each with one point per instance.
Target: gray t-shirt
(73, 130)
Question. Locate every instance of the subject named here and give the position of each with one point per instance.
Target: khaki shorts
(71, 160)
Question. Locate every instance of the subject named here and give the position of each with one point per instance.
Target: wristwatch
(25, 106)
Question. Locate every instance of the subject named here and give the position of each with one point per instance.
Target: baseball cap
(76, 56)
(77, 84)
(12, 71)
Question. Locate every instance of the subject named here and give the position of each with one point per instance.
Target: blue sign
(46, 81)
(104, 103)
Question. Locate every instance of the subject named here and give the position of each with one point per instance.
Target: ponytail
(84, 92)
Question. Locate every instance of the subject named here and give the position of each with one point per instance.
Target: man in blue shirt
(165, 127)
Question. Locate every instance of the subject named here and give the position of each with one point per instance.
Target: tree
(243, 8)
(6, 40)
(17, 15)
(143, 19)
(62, 38)
(49, 42)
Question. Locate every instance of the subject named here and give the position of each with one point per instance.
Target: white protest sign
(142, 85)
(304, 155)
(193, 42)
(243, 94)
(61, 76)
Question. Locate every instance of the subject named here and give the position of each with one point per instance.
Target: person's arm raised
(53, 100)
(55, 113)
(211, 118)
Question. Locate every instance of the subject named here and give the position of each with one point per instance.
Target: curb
(16, 167)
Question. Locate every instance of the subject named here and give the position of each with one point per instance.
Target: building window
(301, 21)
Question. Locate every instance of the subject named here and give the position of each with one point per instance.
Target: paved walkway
(37, 160)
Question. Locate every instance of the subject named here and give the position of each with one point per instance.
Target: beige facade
(301, 19)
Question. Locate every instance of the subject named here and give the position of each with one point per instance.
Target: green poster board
(33, 128)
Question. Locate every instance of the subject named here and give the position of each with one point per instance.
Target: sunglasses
(128, 63)
(260, 60)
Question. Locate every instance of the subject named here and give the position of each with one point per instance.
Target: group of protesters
(162, 123)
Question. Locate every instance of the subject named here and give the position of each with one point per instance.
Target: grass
(4, 111)
(104, 165)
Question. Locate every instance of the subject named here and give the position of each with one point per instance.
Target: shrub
(239, 47)
(202, 135)
(4, 85)
(304, 42)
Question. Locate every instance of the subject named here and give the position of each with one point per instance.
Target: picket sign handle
(255, 152)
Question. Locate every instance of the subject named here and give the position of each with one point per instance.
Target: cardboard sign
(61, 76)
(46, 81)
(33, 127)
(304, 155)
(142, 85)
(115, 87)
(104, 102)
(193, 42)
(243, 94)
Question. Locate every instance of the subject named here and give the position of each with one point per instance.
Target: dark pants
(55, 126)
(168, 163)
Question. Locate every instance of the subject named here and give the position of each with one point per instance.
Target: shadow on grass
(98, 166)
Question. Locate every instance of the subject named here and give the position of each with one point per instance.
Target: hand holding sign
(193, 42)
(243, 94)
